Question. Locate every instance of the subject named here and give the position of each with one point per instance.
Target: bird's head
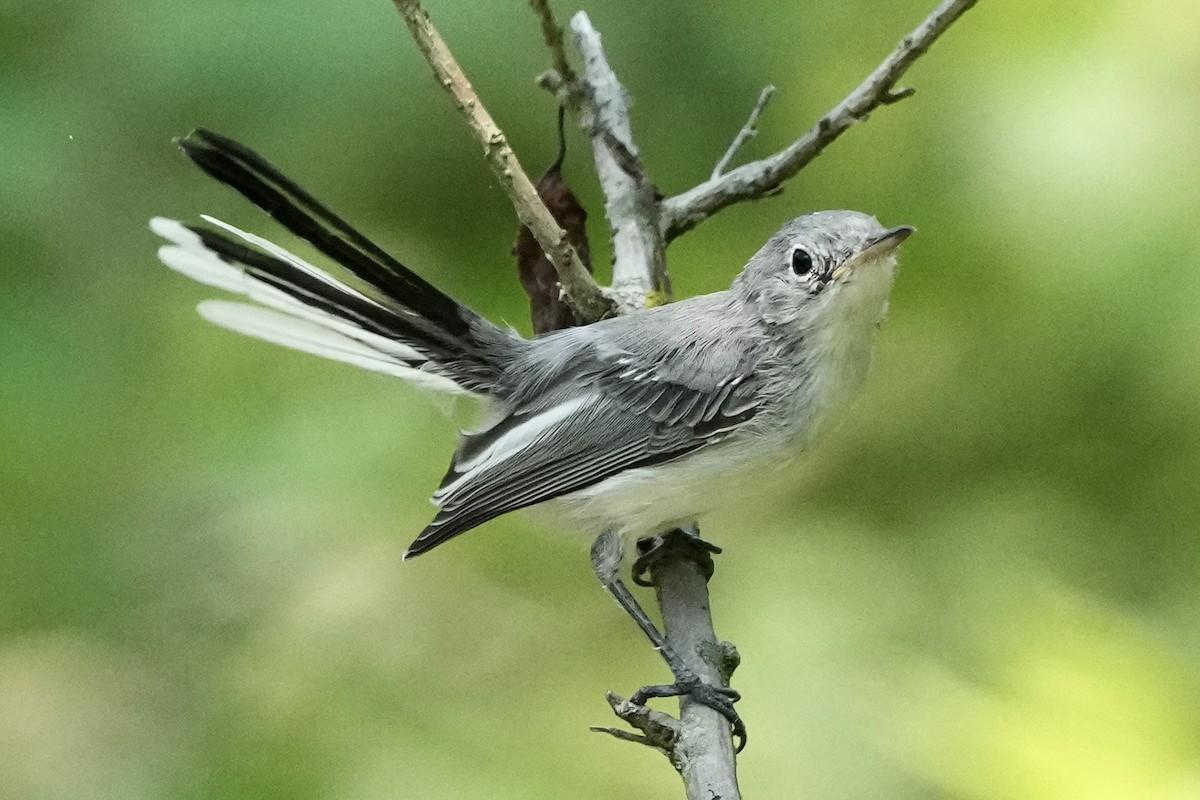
(829, 272)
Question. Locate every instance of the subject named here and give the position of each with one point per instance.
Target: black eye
(802, 263)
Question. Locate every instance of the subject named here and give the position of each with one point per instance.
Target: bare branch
(659, 730)
(705, 753)
(759, 178)
(629, 162)
(630, 199)
(584, 295)
(624, 735)
(748, 131)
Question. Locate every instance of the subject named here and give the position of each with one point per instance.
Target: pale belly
(649, 500)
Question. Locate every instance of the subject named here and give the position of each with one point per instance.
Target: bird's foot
(654, 549)
(718, 698)
(606, 561)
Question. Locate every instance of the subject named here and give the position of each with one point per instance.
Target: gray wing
(604, 410)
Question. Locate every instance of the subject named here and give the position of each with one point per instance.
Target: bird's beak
(881, 246)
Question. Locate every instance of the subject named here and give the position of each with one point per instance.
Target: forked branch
(748, 132)
(757, 179)
(699, 743)
(630, 199)
(582, 292)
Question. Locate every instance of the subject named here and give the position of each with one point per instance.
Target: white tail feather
(314, 337)
(285, 255)
(300, 327)
(207, 268)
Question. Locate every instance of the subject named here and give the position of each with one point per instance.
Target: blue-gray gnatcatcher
(637, 424)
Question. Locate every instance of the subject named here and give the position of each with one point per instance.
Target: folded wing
(604, 419)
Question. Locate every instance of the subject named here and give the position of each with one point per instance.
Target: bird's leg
(606, 561)
(653, 549)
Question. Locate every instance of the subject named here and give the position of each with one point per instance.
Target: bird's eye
(802, 262)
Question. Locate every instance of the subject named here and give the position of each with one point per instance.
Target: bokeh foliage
(983, 585)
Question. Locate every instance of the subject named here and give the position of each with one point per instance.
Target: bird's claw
(653, 549)
(718, 698)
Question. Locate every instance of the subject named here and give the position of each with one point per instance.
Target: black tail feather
(260, 166)
(262, 184)
(314, 292)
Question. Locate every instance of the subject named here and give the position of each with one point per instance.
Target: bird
(629, 427)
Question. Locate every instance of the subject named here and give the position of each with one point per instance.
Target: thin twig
(630, 199)
(748, 131)
(552, 32)
(581, 291)
(759, 178)
(659, 730)
(624, 735)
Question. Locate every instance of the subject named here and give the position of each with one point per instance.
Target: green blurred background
(983, 585)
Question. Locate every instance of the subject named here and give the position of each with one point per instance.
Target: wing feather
(605, 419)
